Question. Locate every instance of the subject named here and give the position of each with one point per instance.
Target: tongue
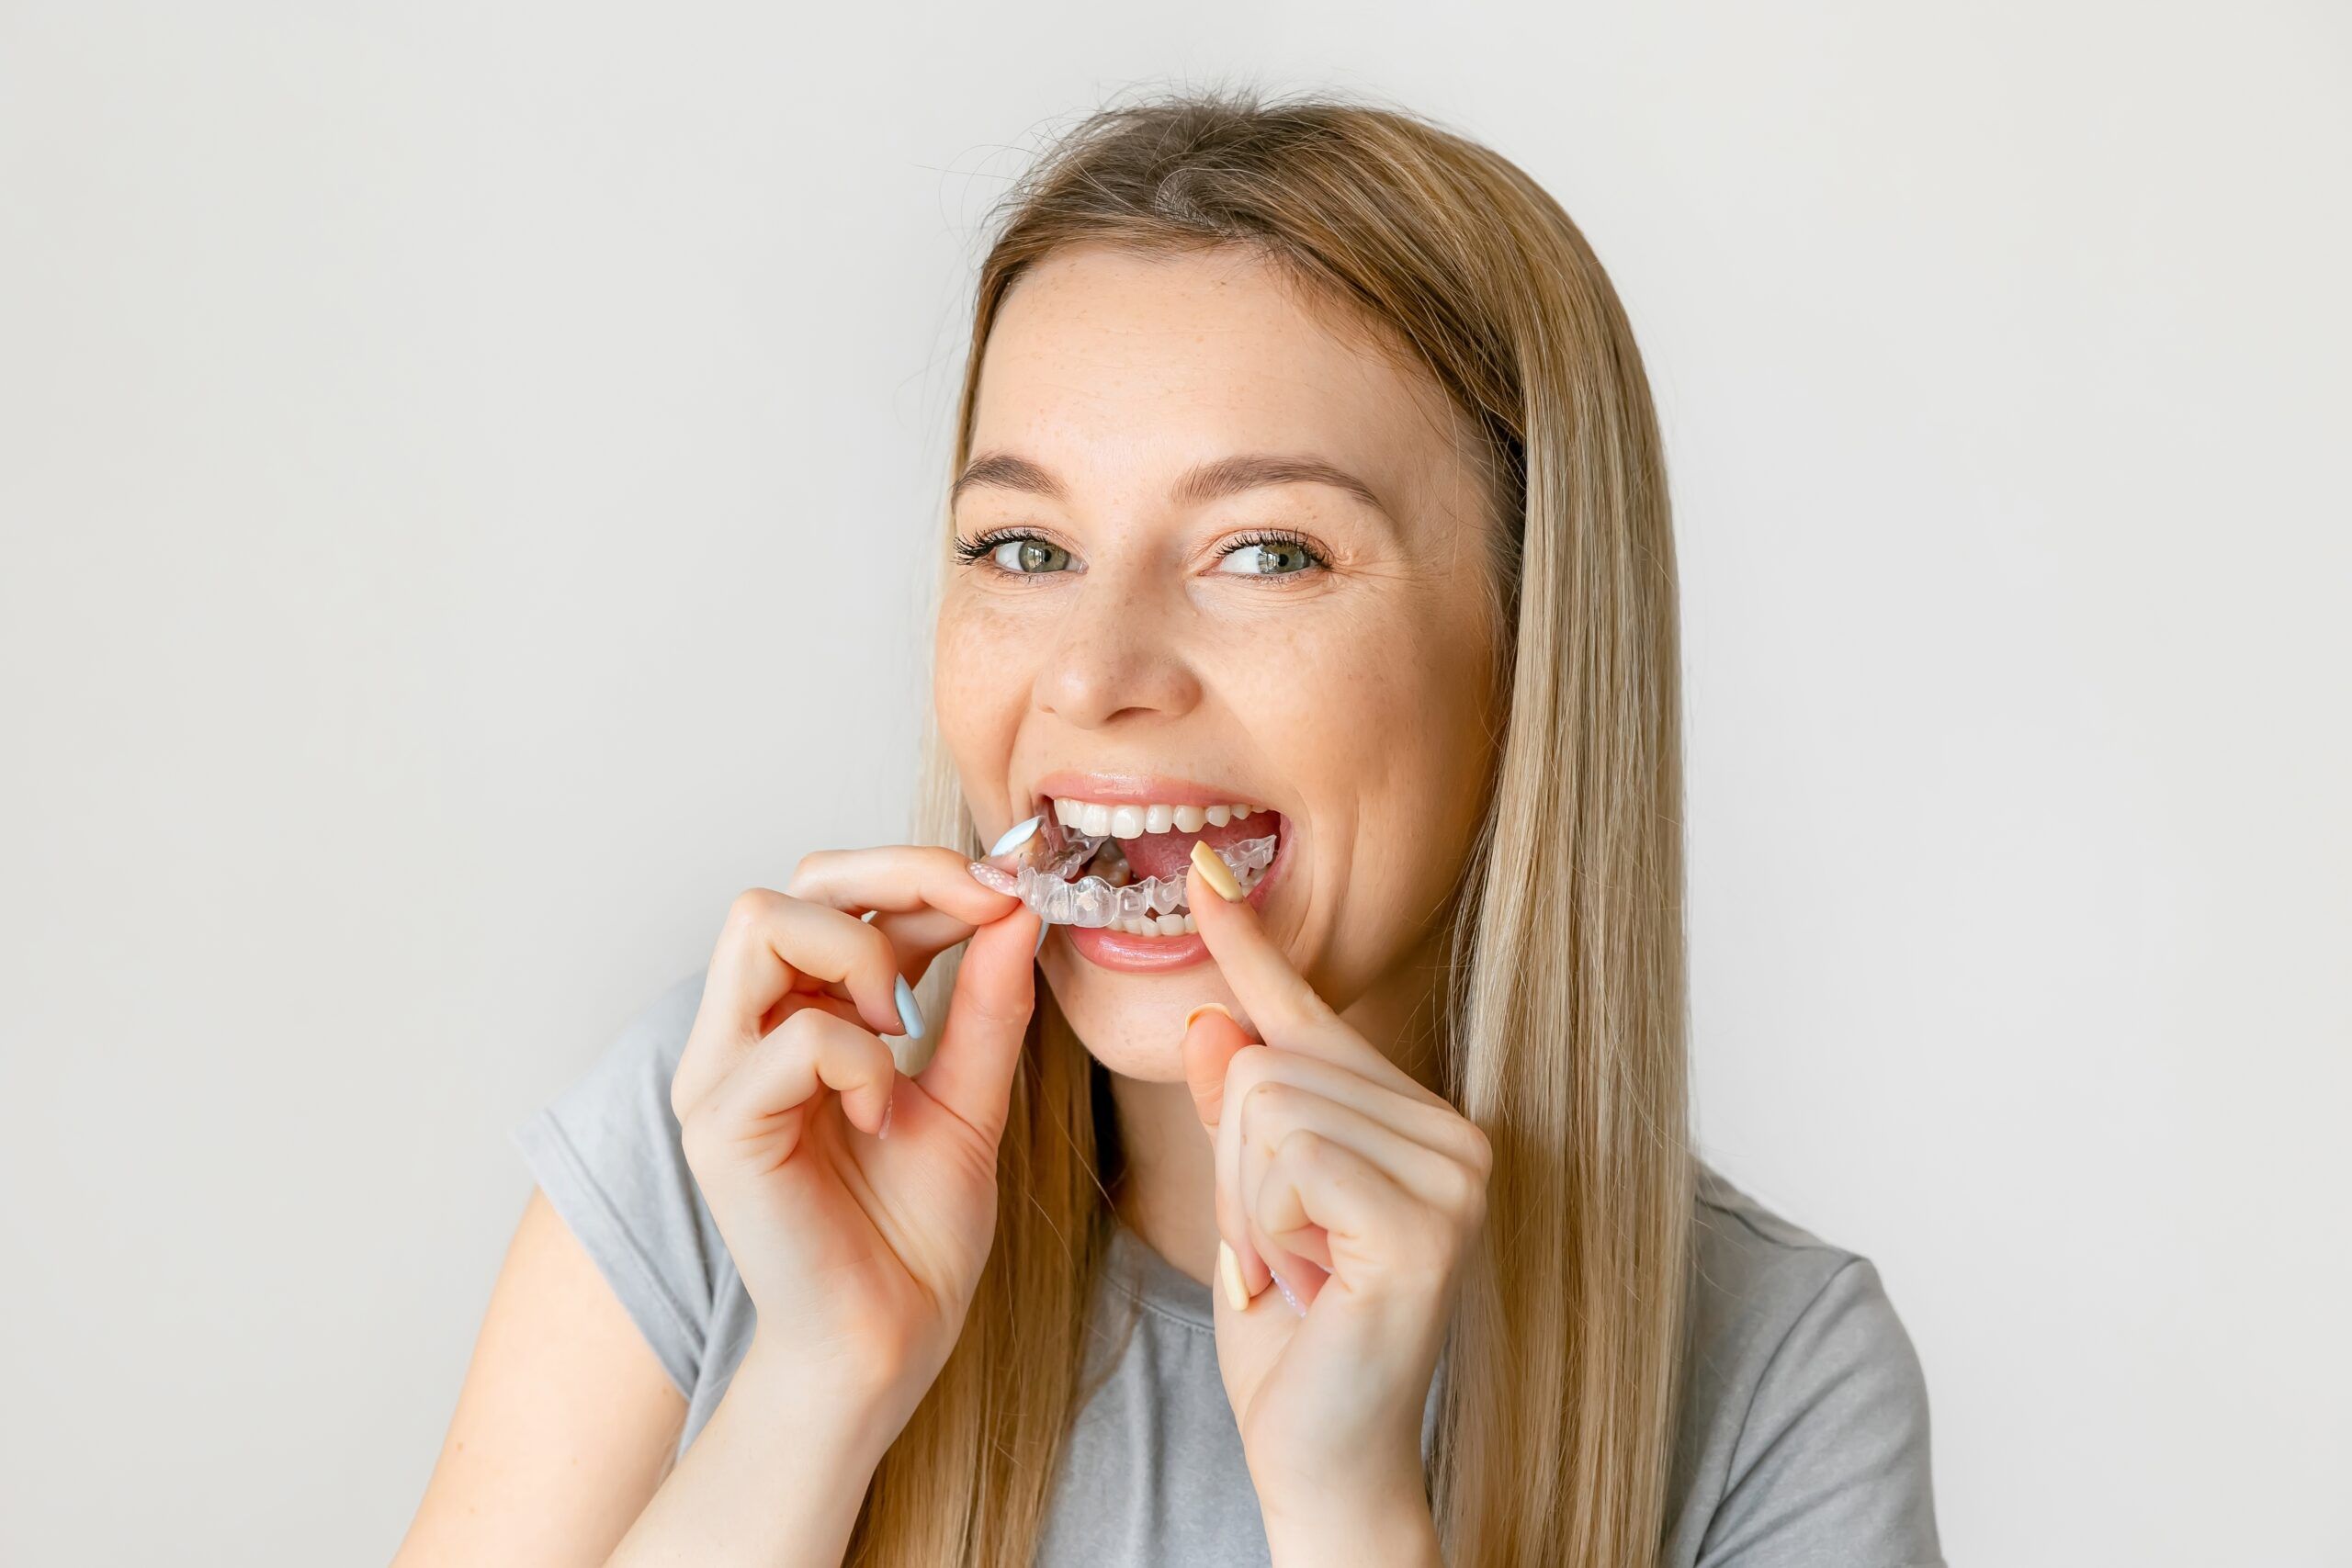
(1167, 855)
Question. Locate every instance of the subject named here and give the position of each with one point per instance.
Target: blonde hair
(1562, 1030)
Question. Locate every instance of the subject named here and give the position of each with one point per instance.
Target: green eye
(1029, 556)
(1267, 558)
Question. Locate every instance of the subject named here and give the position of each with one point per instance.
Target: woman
(1306, 465)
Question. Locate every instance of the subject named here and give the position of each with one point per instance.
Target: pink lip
(1133, 954)
(1139, 789)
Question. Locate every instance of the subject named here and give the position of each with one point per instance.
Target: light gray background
(465, 471)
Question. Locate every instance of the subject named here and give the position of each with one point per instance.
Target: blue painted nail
(1017, 835)
(909, 1013)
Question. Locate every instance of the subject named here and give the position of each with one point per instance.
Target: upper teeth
(1133, 821)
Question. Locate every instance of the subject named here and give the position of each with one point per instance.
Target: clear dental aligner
(1095, 901)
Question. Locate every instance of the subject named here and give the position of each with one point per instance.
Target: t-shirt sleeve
(606, 1153)
(1831, 1468)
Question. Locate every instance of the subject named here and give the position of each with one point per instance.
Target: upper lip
(1140, 789)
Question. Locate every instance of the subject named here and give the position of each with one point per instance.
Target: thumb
(988, 1020)
(1211, 1040)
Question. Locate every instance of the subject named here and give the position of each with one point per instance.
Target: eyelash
(1280, 537)
(969, 551)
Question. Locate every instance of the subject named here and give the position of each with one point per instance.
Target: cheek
(1382, 723)
(978, 687)
(959, 660)
(1388, 711)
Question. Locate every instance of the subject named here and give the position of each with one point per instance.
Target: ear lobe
(1211, 1039)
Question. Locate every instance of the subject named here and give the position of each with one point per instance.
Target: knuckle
(1303, 1148)
(751, 908)
(1478, 1150)
(1268, 1100)
(1244, 1071)
(798, 1032)
(1262, 1205)
(874, 948)
(1465, 1193)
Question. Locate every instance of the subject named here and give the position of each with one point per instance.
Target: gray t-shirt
(1804, 1438)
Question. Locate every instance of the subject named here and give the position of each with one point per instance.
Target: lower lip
(1133, 954)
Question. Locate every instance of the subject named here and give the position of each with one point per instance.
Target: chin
(1132, 1024)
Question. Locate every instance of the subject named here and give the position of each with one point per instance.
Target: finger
(1282, 1007)
(760, 1108)
(920, 937)
(1272, 1108)
(987, 1022)
(773, 941)
(1378, 1234)
(1395, 1104)
(840, 1006)
(898, 878)
(772, 946)
(1419, 1118)
(1212, 1040)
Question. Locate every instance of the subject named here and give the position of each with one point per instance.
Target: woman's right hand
(859, 1205)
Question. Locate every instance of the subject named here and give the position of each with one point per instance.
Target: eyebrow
(1225, 475)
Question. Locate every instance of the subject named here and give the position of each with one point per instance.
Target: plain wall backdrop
(466, 474)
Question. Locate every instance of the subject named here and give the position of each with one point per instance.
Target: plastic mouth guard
(1044, 876)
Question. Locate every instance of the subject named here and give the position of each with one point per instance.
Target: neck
(1168, 1192)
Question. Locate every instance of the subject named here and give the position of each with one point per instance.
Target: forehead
(1103, 361)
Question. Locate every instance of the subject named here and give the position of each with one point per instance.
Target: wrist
(1393, 1529)
(851, 1415)
(778, 1474)
(1374, 1521)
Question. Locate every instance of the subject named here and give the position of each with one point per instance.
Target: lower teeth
(1162, 925)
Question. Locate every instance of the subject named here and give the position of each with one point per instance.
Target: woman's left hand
(1355, 1193)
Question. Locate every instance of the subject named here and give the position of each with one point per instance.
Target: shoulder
(1753, 1269)
(1804, 1428)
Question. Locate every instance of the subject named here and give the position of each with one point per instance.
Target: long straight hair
(1562, 1026)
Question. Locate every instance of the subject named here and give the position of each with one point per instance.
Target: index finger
(1285, 1009)
(897, 879)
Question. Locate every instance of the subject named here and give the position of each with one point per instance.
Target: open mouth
(1123, 864)
(1120, 865)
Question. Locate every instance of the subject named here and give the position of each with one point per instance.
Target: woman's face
(1179, 598)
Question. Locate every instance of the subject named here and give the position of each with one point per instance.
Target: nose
(1118, 655)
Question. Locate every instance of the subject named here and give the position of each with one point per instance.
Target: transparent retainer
(1091, 901)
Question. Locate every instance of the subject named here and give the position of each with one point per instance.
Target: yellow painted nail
(1205, 1007)
(1216, 873)
(1229, 1273)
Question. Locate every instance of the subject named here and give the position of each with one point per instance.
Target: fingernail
(1043, 927)
(1205, 1007)
(910, 1013)
(887, 1106)
(1288, 1295)
(1214, 872)
(1015, 836)
(1229, 1273)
